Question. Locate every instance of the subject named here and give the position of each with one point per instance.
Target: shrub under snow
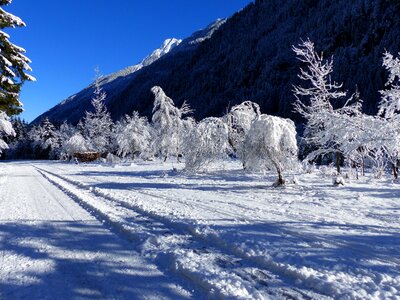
(271, 144)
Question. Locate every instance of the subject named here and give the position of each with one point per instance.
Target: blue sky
(66, 40)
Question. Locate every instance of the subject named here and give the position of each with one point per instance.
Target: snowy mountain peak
(166, 47)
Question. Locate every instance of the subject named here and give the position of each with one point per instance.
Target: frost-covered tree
(13, 64)
(19, 145)
(207, 142)
(46, 137)
(97, 125)
(132, 135)
(389, 111)
(65, 132)
(75, 144)
(5, 129)
(320, 91)
(239, 121)
(167, 124)
(271, 144)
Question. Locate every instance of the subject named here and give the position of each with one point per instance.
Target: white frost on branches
(389, 112)
(389, 105)
(133, 135)
(167, 124)
(271, 144)
(97, 125)
(239, 121)
(207, 142)
(75, 144)
(320, 92)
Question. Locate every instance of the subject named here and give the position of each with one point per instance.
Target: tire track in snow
(366, 250)
(269, 269)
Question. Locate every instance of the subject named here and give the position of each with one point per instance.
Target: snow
(223, 233)
(165, 48)
(51, 248)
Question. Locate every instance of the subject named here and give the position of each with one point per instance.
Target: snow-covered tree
(389, 111)
(320, 91)
(13, 64)
(49, 135)
(97, 125)
(65, 132)
(271, 144)
(5, 129)
(46, 137)
(239, 121)
(75, 144)
(132, 135)
(167, 124)
(207, 142)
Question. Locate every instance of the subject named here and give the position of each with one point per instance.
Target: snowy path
(51, 248)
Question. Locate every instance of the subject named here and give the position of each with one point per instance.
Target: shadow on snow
(86, 262)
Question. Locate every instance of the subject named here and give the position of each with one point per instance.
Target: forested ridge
(250, 57)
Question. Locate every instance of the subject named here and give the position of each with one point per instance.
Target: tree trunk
(395, 169)
(337, 162)
(363, 166)
(280, 181)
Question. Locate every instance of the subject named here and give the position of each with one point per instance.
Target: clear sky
(66, 40)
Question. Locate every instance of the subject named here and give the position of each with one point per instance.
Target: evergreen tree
(5, 129)
(97, 125)
(46, 139)
(19, 145)
(13, 64)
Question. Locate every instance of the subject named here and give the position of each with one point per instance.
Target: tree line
(259, 141)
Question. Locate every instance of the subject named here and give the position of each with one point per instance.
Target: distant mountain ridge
(249, 57)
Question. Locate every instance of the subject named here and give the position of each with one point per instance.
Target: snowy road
(51, 248)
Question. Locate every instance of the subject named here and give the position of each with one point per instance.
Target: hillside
(249, 57)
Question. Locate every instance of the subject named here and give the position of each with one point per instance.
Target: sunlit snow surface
(225, 232)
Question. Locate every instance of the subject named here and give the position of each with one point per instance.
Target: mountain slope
(73, 108)
(249, 57)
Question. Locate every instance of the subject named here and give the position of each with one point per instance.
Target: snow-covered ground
(224, 233)
(51, 248)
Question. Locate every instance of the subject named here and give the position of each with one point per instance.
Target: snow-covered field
(224, 233)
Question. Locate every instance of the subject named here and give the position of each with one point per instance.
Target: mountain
(74, 107)
(249, 57)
